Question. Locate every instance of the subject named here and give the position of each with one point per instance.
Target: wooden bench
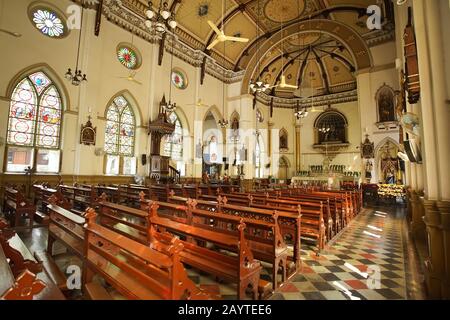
(134, 224)
(80, 198)
(23, 278)
(312, 224)
(67, 228)
(16, 206)
(159, 192)
(289, 221)
(241, 269)
(41, 200)
(135, 270)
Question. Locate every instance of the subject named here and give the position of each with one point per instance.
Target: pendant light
(77, 77)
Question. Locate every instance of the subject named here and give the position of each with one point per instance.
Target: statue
(368, 169)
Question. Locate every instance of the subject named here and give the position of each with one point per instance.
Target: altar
(330, 181)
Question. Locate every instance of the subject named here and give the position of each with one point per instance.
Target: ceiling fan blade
(213, 44)
(11, 33)
(214, 27)
(236, 39)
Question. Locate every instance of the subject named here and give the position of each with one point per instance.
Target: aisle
(368, 261)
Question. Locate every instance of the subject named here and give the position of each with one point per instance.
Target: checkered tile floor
(366, 261)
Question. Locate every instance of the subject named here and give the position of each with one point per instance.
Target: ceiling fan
(199, 103)
(221, 37)
(131, 78)
(11, 33)
(283, 84)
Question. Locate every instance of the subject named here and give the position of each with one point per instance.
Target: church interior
(225, 150)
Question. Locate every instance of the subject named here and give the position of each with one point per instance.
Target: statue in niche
(368, 169)
(235, 128)
(283, 140)
(386, 108)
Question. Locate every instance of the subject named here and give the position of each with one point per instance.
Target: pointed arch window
(34, 125)
(120, 134)
(173, 144)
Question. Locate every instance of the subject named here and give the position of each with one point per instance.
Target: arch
(35, 112)
(379, 152)
(328, 112)
(331, 127)
(184, 121)
(120, 130)
(133, 104)
(259, 115)
(348, 37)
(50, 72)
(235, 115)
(173, 144)
(385, 101)
(214, 110)
(284, 162)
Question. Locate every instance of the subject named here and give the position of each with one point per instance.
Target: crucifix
(98, 18)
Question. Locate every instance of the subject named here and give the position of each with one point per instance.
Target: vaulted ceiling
(317, 44)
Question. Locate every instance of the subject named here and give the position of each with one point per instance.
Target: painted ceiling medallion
(179, 79)
(48, 22)
(285, 10)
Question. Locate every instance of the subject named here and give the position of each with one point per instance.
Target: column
(270, 125)
(298, 157)
(436, 149)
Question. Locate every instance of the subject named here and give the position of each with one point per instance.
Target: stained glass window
(179, 79)
(35, 113)
(128, 57)
(120, 128)
(173, 144)
(48, 22)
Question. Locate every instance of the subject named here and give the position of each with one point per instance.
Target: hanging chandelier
(300, 113)
(161, 20)
(258, 86)
(77, 77)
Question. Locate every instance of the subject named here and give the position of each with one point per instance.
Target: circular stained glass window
(179, 79)
(128, 56)
(48, 22)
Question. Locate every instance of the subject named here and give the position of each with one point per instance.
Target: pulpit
(159, 165)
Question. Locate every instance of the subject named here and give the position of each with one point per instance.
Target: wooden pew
(159, 192)
(312, 225)
(136, 270)
(134, 224)
(42, 195)
(23, 278)
(80, 198)
(16, 206)
(112, 193)
(289, 221)
(67, 228)
(243, 269)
